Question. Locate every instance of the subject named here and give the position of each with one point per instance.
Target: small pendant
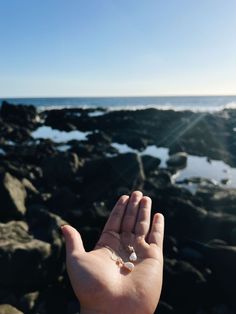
(129, 266)
(133, 257)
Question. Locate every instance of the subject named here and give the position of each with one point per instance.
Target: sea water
(194, 103)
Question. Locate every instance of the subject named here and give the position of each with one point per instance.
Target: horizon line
(120, 96)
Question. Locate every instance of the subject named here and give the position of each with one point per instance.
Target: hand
(100, 282)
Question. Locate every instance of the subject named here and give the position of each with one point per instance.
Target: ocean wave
(134, 107)
(231, 105)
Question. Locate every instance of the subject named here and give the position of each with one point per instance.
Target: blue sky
(117, 47)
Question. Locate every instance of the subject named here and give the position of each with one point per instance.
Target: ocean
(194, 103)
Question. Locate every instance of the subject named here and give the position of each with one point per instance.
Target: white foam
(231, 105)
(165, 107)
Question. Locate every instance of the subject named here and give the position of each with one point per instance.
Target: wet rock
(161, 178)
(170, 247)
(63, 199)
(150, 164)
(164, 308)
(22, 258)
(37, 216)
(102, 177)
(193, 285)
(13, 195)
(178, 160)
(98, 138)
(222, 260)
(223, 201)
(24, 115)
(9, 309)
(60, 168)
(233, 237)
(29, 186)
(28, 301)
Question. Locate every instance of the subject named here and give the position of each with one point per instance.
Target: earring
(133, 257)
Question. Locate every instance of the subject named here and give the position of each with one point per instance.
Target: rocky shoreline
(42, 187)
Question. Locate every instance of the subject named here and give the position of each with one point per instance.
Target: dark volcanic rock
(103, 177)
(164, 308)
(222, 260)
(192, 282)
(9, 309)
(22, 258)
(23, 115)
(185, 220)
(60, 168)
(50, 233)
(150, 164)
(178, 160)
(13, 195)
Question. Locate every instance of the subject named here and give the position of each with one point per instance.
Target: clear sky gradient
(117, 47)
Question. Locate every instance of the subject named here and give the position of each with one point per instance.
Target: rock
(185, 220)
(60, 168)
(150, 164)
(28, 300)
(222, 260)
(9, 309)
(63, 199)
(102, 177)
(37, 216)
(164, 308)
(22, 258)
(29, 186)
(178, 160)
(13, 195)
(193, 285)
(233, 237)
(223, 200)
(161, 178)
(98, 138)
(23, 115)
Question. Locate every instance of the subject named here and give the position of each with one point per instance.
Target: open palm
(99, 278)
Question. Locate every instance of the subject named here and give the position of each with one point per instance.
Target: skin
(101, 285)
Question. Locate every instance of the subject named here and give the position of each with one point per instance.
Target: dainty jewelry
(133, 257)
(119, 261)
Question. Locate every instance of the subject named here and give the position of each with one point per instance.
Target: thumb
(73, 240)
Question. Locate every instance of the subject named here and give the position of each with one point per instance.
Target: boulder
(37, 216)
(23, 115)
(183, 287)
(60, 168)
(178, 160)
(31, 256)
(150, 164)
(103, 177)
(28, 301)
(224, 200)
(22, 258)
(13, 195)
(222, 260)
(9, 309)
